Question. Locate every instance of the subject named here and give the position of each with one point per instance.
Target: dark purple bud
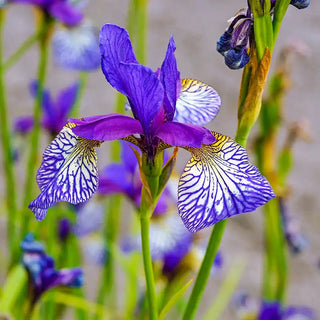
(64, 229)
(300, 4)
(236, 58)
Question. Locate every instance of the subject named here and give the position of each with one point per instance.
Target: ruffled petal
(219, 182)
(184, 135)
(170, 79)
(106, 127)
(198, 103)
(68, 172)
(115, 47)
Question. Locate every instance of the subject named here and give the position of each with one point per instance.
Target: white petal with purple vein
(197, 103)
(219, 182)
(68, 172)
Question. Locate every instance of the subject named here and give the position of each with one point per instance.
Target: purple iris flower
(274, 311)
(62, 10)
(218, 181)
(55, 113)
(40, 267)
(234, 44)
(77, 48)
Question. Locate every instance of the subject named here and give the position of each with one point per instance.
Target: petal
(170, 79)
(68, 172)
(144, 91)
(110, 127)
(77, 48)
(23, 124)
(47, 103)
(66, 100)
(198, 103)
(219, 182)
(115, 47)
(184, 135)
(236, 58)
(65, 12)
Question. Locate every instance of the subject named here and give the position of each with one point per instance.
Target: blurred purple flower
(77, 48)
(63, 10)
(274, 311)
(23, 124)
(64, 229)
(40, 267)
(218, 181)
(55, 113)
(296, 241)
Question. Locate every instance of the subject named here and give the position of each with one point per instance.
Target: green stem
(147, 261)
(35, 135)
(83, 80)
(10, 191)
(279, 13)
(205, 269)
(26, 45)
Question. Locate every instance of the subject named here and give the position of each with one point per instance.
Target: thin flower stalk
(7, 151)
(46, 25)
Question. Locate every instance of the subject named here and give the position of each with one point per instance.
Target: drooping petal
(115, 47)
(197, 104)
(109, 127)
(65, 12)
(170, 79)
(219, 182)
(184, 135)
(68, 172)
(236, 58)
(77, 48)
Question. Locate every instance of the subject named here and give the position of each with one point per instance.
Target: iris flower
(55, 113)
(234, 44)
(42, 272)
(63, 10)
(218, 181)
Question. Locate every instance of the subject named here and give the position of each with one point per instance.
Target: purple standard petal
(66, 100)
(219, 182)
(109, 127)
(144, 91)
(170, 79)
(115, 48)
(184, 135)
(197, 104)
(65, 12)
(68, 172)
(77, 48)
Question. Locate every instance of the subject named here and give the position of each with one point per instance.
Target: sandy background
(196, 26)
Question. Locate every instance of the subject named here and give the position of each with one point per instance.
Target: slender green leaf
(16, 280)
(174, 300)
(227, 289)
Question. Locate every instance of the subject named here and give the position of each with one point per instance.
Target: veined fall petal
(219, 182)
(197, 104)
(68, 172)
